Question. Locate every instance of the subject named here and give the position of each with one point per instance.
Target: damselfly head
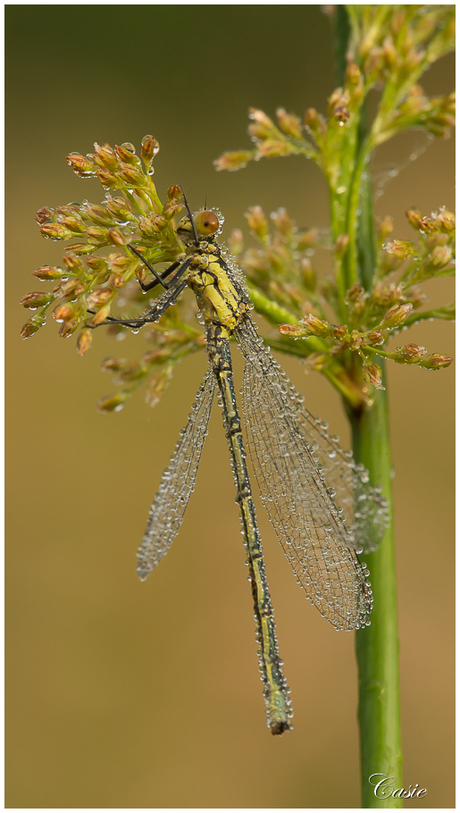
(206, 224)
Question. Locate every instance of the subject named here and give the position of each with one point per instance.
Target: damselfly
(319, 500)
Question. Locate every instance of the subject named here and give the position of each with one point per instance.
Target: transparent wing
(309, 487)
(177, 483)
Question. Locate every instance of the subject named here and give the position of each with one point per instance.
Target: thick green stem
(377, 646)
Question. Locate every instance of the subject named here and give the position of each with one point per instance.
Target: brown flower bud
(127, 153)
(435, 361)
(149, 149)
(100, 215)
(400, 248)
(445, 219)
(97, 235)
(294, 331)
(257, 221)
(410, 353)
(107, 178)
(282, 221)
(84, 341)
(63, 312)
(36, 299)
(174, 192)
(373, 374)
(441, 256)
(82, 165)
(32, 325)
(112, 403)
(317, 327)
(308, 274)
(55, 231)
(289, 123)
(273, 148)
(340, 332)
(47, 272)
(132, 175)
(116, 237)
(396, 315)
(105, 157)
(119, 209)
(45, 215)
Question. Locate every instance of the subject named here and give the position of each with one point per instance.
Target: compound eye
(206, 223)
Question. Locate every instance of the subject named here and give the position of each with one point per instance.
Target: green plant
(342, 326)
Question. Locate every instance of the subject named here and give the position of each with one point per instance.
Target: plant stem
(377, 646)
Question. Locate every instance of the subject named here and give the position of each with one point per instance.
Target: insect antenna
(189, 211)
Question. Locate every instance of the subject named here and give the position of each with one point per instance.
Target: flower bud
(55, 231)
(127, 153)
(315, 124)
(374, 338)
(261, 118)
(373, 374)
(47, 272)
(289, 123)
(74, 224)
(341, 114)
(435, 361)
(307, 239)
(317, 327)
(97, 235)
(119, 209)
(410, 353)
(105, 157)
(82, 165)
(395, 316)
(340, 332)
(257, 221)
(96, 263)
(441, 256)
(273, 148)
(115, 236)
(445, 219)
(112, 403)
(414, 217)
(158, 385)
(100, 316)
(45, 215)
(149, 149)
(36, 299)
(100, 215)
(294, 331)
(400, 248)
(97, 298)
(355, 292)
(107, 178)
(308, 274)
(84, 341)
(174, 192)
(236, 242)
(63, 312)
(282, 221)
(132, 175)
(32, 325)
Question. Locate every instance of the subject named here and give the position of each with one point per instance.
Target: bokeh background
(122, 694)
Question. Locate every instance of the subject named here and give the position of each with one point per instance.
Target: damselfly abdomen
(321, 504)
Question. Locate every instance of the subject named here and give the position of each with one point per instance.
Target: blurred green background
(122, 694)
